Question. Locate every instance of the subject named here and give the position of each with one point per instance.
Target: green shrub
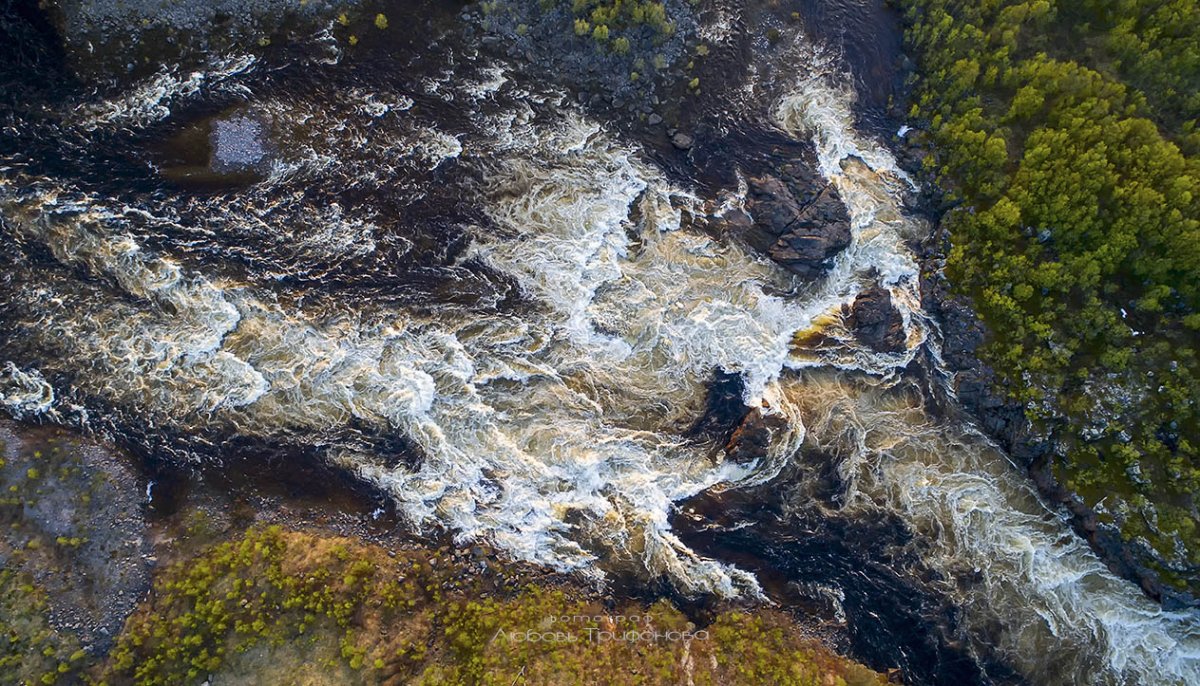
(282, 589)
(1064, 135)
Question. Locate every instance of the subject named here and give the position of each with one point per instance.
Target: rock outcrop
(752, 437)
(875, 321)
(802, 236)
(742, 434)
(74, 522)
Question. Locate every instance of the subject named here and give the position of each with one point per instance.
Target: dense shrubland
(1065, 137)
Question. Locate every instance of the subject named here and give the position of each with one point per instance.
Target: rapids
(1064, 617)
(543, 397)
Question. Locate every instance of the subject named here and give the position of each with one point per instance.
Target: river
(505, 313)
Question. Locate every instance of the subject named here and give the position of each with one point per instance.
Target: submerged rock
(724, 408)
(238, 144)
(682, 141)
(231, 148)
(804, 237)
(742, 433)
(875, 321)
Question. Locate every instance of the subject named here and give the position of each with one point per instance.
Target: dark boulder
(724, 408)
(802, 236)
(744, 433)
(875, 321)
(752, 437)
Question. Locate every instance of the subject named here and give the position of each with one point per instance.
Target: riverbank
(239, 599)
(1088, 355)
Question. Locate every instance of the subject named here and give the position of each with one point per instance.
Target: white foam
(150, 100)
(1032, 590)
(24, 393)
(581, 461)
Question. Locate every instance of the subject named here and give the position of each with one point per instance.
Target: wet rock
(742, 433)
(751, 439)
(774, 207)
(231, 148)
(737, 223)
(802, 237)
(655, 119)
(875, 321)
(724, 408)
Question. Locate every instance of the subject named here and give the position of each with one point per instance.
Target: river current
(505, 314)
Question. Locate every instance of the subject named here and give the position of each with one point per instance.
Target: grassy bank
(1065, 136)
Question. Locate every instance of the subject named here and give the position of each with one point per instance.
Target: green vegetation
(617, 24)
(31, 651)
(277, 604)
(1065, 136)
(622, 15)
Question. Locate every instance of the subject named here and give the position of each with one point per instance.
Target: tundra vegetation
(280, 606)
(1064, 134)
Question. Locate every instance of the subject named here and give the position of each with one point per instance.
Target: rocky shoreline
(1005, 422)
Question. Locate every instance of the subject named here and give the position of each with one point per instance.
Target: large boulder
(743, 434)
(238, 144)
(802, 236)
(875, 321)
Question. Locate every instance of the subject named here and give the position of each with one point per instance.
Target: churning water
(541, 348)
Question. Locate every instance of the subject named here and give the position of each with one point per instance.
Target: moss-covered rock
(72, 523)
(32, 650)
